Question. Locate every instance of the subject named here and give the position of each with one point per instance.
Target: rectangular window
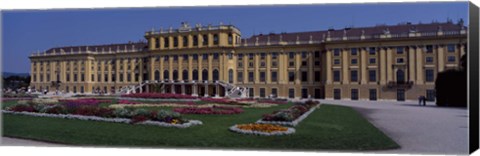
(336, 52)
(429, 75)
(251, 92)
(291, 93)
(429, 59)
(175, 42)
(205, 40)
(354, 61)
(451, 47)
(430, 95)
(262, 56)
(336, 61)
(205, 56)
(317, 76)
(157, 43)
(106, 78)
(215, 56)
(429, 48)
(75, 77)
(354, 94)
(274, 64)
(230, 39)
(166, 42)
(165, 58)
(291, 55)
(304, 76)
(262, 64)
(372, 94)
(372, 51)
(240, 56)
(274, 76)
(250, 64)
(354, 76)
(291, 64)
(239, 76)
(250, 76)
(185, 57)
(274, 56)
(175, 57)
(262, 76)
(336, 76)
(291, 76)
(372, 60)
(353, 51)
(399, 50)
(304, 93)
(372, 76)
(274, 92)
(400, 60)
(185, 41)
(317, 54)
(304, 54)
(317, 63)
(195, 40)
(82, 77)
(262, 92)
(337, 94)
(195, 57)
(451, 59)
(240, 64)
(250, 56)
(215, 39)
(304, 63)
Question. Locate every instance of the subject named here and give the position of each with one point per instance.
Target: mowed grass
(327, 128)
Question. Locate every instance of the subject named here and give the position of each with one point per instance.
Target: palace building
(383, 62)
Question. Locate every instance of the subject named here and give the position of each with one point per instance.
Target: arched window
(400, 76)
(165, 75)
(230, 76)
(185, 75)
(157, 75)
(175, 75)
(215, 75)
(195, 75)
(204, 75)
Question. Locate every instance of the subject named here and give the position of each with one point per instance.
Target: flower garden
(167, 119)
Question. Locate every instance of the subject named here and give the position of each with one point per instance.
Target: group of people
(422, 100)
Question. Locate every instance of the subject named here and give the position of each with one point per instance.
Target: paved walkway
(7, 141)
(417, 129)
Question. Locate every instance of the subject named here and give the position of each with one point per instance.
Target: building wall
(116, 69)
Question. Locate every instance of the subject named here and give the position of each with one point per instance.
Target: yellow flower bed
(262, 127)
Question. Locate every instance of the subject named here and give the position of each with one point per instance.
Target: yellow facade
(316, 66)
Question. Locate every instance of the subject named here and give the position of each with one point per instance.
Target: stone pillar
(226, 91)
(382, 66)
(345, 67)
(441, 58)
(163, 88)
(419, 65)
(328, 66)
(194, 89)
(363, 65)
(411, 63)
(389, 64)
(173, 88)
(206, 89)
(217, 90)
(462, 51)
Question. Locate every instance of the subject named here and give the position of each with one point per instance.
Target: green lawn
(329, 127)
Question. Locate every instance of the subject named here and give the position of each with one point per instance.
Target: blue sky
(25, 32)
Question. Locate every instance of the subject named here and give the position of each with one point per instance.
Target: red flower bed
(210, 110)
(273, 102)
(291, 113)
(159, 96)
(22, 108)
(127, 102)
(219, 101)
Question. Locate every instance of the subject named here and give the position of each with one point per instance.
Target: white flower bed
(116, 120)
(292, 123)
(238, 130)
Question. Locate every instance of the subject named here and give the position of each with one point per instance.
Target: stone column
(411, 63)
(363, 65)
(345, 67)
(389, 64)
(419, 65)
(163, 88)
(328, 66)
(173, 88)
(217, 90)
(441, 58)
(382, 66)
(194, 89)
(206, 89)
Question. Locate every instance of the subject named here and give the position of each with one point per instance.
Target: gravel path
(7, 141)
(417, 129)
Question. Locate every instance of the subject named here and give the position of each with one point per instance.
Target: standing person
(420, 98)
